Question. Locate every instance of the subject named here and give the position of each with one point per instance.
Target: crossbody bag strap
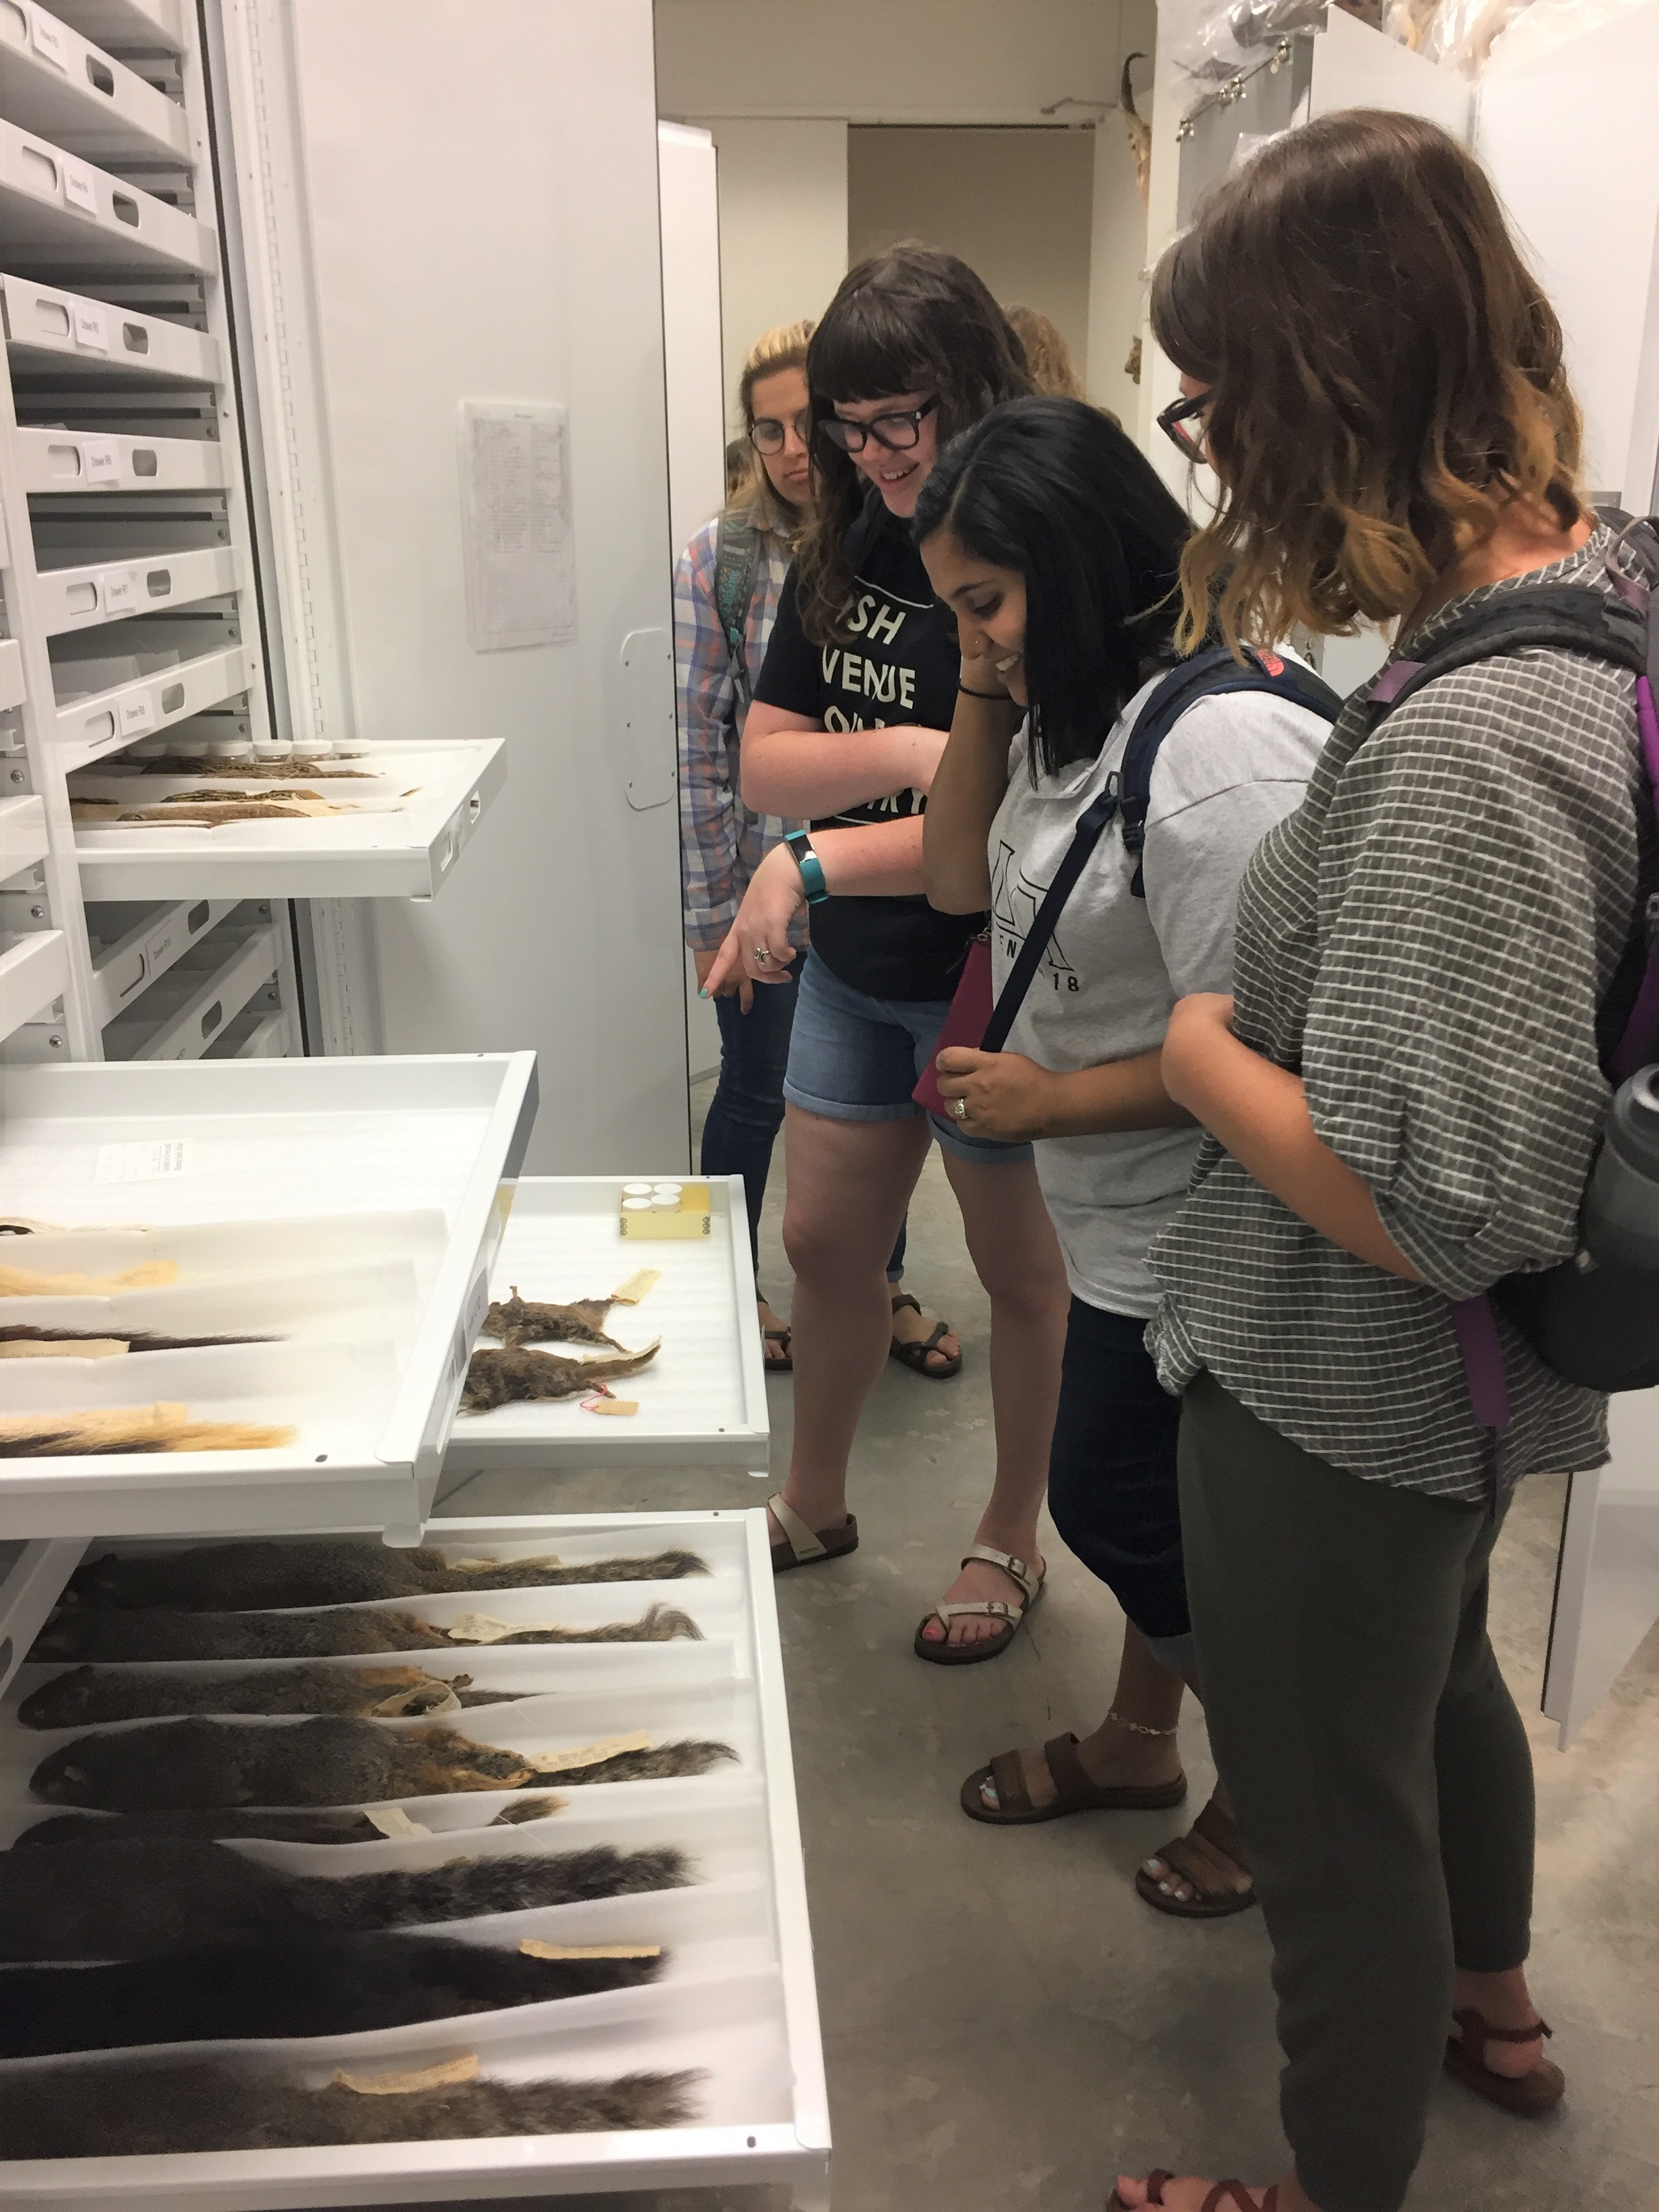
(736, 558)
(1011, 997)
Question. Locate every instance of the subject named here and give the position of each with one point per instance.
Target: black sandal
(915, 1356)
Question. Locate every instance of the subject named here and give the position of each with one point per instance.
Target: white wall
(783, 228)
(1015, 204)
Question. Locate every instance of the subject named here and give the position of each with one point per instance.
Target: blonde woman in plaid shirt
(721, 841)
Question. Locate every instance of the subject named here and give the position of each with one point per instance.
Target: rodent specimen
(88, 1695)
(129, 1901)
(341, 1824)
(30, 1283)
(136, 1340)
(522, 1321)
(257, 771)
(138, 2109)
(243, 1577)
(119, 1429)
(332, 1632)
(282, 1986)
(511, 1378)
(163, 1764)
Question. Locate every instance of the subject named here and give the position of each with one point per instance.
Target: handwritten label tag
(91, 327)
(586, 1754)
(80, 187)
(48, 37)
(484, 1566)
(100, 462)
(620, 1407)
(638, 1285)
(154, 1160)
(533, 1947)
(446, 2077)
(120, 588)
(392, 1820)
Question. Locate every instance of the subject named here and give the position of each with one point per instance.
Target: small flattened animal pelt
(136, 1340)
(261, 1986)
(129, 1900)
(146, 2108)
(522, 1321)
(317, 1825)
(101, 1432)
(166, 1766)
(657, 1623)
(87, 1695)
(332, 1632)
(332, 1571)
(515, 1377)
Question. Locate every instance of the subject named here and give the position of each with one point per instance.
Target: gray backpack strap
(737, 562)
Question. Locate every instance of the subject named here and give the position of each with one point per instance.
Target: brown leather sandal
(1077, 1793)
(915, 1356)
(1225, 2193)
(1530, 2095)
(801, 1547)
(1194, 1867)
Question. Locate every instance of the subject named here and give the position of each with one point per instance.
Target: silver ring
(763, 955)
(959, 1107)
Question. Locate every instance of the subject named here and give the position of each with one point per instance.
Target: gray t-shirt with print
(1231, 768)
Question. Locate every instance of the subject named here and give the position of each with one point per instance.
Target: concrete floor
(1005, 2024)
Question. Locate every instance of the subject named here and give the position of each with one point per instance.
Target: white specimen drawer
(22, 833)
(33, 971)
(257, 1033)
(739, 2008)
(60, 213)
(109, 720)
(421, 802)
(108, 591)
(11, 672)
(57, 82)
(204, 998)
(701, 1402)
(143, 25)
(101, 461)
(279, 1146)
(137, 942)
(47, 330)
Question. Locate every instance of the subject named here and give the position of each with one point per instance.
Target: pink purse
(965, 1024)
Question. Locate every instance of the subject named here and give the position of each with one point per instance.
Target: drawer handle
(100, 78)
(196, 918)
(159, 583)
(211, 1019)
(144, 462)
(126, 210)
(173, 698)
(40, 172)
(52, 317)
(135, 338)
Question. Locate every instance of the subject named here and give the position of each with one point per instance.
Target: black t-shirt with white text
(897, 664)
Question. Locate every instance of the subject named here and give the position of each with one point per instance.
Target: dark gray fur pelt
(343, 1825)
(172, 1766)
(90, 1632)
(256, 1986)
(329, 1571)
(88, 1695)
(146, 2107)
(129, 1900)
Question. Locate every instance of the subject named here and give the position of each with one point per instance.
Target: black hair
(1053, 488)
(910, 319)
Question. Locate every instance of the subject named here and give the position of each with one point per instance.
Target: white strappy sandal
(941, 1652)
(801, 1547)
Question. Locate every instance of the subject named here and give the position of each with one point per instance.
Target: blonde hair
(751, 495)
(1047, 354)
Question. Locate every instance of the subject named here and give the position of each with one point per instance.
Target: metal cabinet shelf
(33, 971)
(53, 332)
(92, 593)
(11, 674)
(55, 81)
(140, 943)
(22, 833)
(199, 998)
(100, 462)
(127, 26)
(93, 726)
(60, 213)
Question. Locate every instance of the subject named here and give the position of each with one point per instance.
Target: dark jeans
(746, 1111)
(1381, 1774)
(1112, 1482)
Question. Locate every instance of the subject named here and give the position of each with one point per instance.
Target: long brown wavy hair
(910, 319)
(1387, 376)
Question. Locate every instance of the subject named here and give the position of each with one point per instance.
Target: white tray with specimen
(703, 1398)
(734, 2003)
(365, 821)
(340, 1215)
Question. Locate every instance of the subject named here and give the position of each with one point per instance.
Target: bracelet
(811, 868)
(970, 693)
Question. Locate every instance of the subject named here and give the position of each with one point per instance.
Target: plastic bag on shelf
(1548, 23)
(1458, 34)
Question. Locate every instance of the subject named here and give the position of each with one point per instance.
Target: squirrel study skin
(329, 1633)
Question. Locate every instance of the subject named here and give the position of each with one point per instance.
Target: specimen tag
(88, 1348)
(479, 1628)
(609, 1404)
(417, 1699)
(392, 1820)
(638, 1285)
(155, 1160)
(533, 1947)
(587, 1754)
(483, 1566)
(452, 2070)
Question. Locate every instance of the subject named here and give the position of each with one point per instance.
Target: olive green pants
(1382, 1776)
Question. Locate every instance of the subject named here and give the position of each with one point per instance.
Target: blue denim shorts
(852, 1058)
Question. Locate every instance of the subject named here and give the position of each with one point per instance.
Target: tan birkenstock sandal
(1216, 1900)
(942, 1653)
(801, 1547)
(1222, 2198)
(1075, 1792)
(1530, 2095)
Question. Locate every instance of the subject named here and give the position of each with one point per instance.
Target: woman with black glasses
(849, 721)
(727, 586)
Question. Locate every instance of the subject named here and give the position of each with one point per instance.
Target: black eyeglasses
(898, 433)
(766, 434)
(1176, 421)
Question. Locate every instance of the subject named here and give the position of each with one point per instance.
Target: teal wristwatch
(811, 868)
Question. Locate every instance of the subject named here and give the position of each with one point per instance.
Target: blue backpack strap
(1207, 675)
(737, 560)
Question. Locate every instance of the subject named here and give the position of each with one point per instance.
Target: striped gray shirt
(1426, 941)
